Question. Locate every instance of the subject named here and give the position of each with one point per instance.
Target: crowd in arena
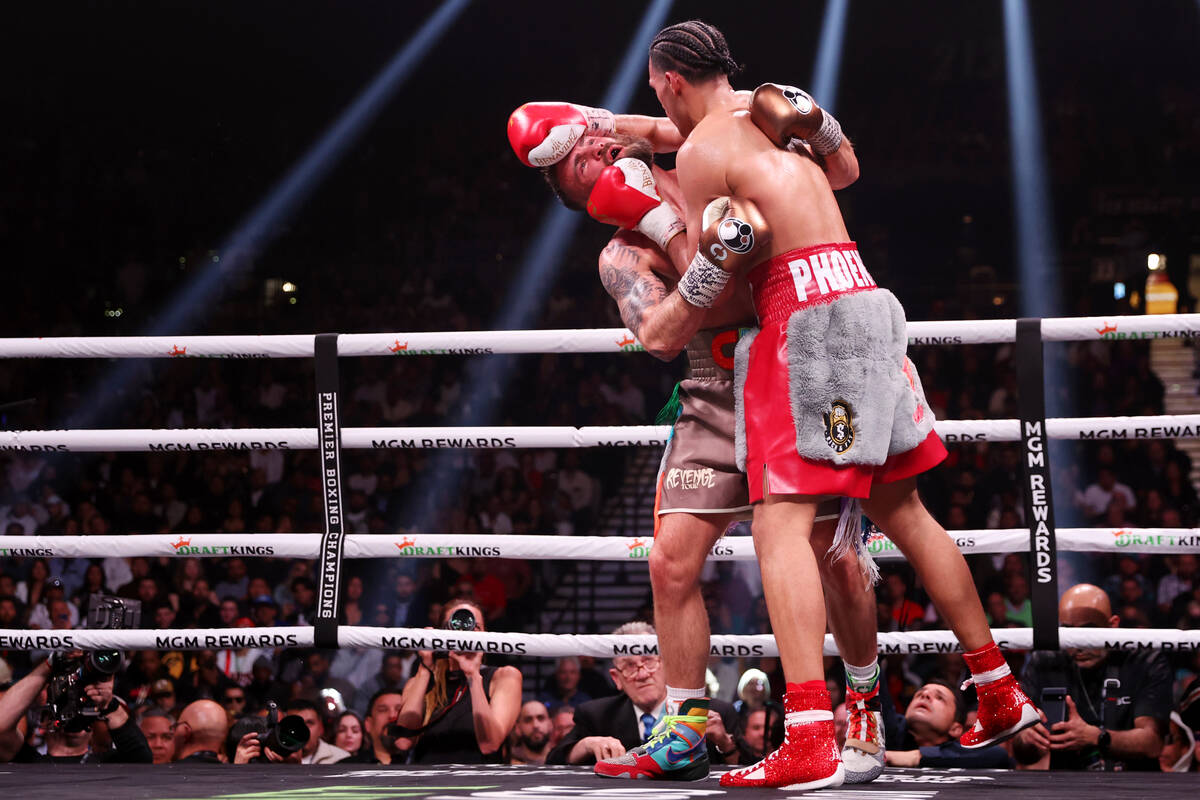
(354, 268)
(349, 697)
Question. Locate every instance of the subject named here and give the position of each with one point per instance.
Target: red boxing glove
(626, 195)
(541, 134)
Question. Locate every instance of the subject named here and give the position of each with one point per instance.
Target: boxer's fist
(784, 112)
(541, 134)
(735, 234)
(626, 195)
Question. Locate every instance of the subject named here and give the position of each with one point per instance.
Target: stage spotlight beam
(1033, 213)
(261, 225)
(486, 379)
(256, 230)
(827, 68)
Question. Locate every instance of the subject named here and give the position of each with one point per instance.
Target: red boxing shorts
(828, 402)
(699, 472)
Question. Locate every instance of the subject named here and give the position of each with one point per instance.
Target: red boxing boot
(1004, 710)
(808, 757)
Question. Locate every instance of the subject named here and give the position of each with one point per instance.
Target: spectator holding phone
(1114, 707)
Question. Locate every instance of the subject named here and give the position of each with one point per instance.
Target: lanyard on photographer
(1039, 511)
(329, 442)
(1104, 716)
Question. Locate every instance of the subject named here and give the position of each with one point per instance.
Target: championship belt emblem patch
(839, 433)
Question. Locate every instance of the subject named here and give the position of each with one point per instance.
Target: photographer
(463, 709)
(317, 750)
(1117, 705)
(245, 744)
(71, 742)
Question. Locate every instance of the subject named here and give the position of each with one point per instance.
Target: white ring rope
(1167, 541)
(433, 546)
(582, 340)
(555, 645)
(1165, 426)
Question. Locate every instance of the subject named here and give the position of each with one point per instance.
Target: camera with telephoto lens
(284, 735)
(67, 704)
(461, 620)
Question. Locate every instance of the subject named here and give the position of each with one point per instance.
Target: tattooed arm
(660, 318)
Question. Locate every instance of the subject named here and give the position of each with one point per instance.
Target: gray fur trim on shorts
(852, 352)
(741, 355)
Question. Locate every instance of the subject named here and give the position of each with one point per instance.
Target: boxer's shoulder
(630, 250)
(719, 125)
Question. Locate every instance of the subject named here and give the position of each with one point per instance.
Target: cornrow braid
(694, 49)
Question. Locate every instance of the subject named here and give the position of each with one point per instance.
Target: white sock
(675, 698)
(862, 679)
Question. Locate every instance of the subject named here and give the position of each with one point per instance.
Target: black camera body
(66, 702)
(285, 735)
(68, 705)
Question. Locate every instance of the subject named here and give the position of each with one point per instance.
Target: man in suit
(609, 726)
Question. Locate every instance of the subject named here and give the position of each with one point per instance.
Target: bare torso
(726, 154)
(738, 309)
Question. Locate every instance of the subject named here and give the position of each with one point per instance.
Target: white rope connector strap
(805, 717)
(984, 678)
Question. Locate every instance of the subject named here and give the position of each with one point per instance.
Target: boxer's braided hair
(694, 49)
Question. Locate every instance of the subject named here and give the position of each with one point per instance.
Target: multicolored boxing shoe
(676, 751)
(864, 752)
(808, 757)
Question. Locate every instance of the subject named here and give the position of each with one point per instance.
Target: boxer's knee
(843, 576)
(895, 505)
(822, 536)
(782, 521)
(679, 552)
(670, 579)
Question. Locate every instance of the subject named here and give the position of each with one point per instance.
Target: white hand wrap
(828, 137)
(600, 121)
(703, 282)
(661, 224)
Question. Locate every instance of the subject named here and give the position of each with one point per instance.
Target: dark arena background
(297, 355)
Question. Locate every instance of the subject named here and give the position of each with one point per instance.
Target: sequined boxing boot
(808, 757)
(1004, 710)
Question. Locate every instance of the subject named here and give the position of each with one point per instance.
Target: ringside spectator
(1127, 732)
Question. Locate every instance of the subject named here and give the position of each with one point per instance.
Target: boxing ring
(332, 547)
(463, 782)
